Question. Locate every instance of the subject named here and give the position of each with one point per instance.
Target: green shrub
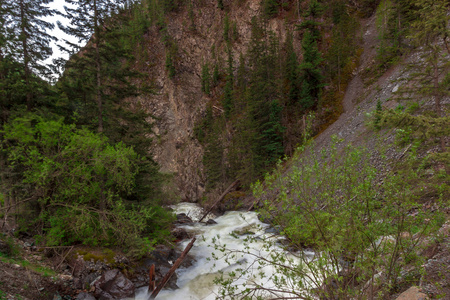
(332, 200)
(74, 173)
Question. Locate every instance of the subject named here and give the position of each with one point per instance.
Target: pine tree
(270, 8)
(342, 47)
(99, 82)
(89, 23)
(226, 28)
(206, 79)
(291, 71)
(228, 92)
(25, 38)
(220, 4)
(430, 30)
(311, 75)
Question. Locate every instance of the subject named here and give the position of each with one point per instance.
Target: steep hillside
(199, 44)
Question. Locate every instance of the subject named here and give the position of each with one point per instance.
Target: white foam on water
(197, 281)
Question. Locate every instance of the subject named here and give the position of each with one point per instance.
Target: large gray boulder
(113, 285)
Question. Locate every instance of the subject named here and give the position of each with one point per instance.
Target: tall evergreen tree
(26, 38)
(99, 81)
(291, 71)
(311, 75)
(270, 8)
(430, 30)
(88, 23)
(228, 92)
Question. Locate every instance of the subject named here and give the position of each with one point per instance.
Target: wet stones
(180, 233)
(211, 222)
(183, 219)
(113, 285)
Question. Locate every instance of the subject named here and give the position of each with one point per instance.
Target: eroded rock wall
(180, 102)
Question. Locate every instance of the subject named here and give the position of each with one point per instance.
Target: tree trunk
(172, 270)
(98, 67)
(26, 58)
(220, 199)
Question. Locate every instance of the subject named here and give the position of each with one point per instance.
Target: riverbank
(29, 272)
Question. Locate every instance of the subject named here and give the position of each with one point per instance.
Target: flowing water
(197, 281)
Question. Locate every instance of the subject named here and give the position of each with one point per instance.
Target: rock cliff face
(197, 33)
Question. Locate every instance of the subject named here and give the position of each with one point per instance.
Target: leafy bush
(75, 182)
(332, 201)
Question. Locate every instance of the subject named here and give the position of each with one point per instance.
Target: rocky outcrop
(179, 102)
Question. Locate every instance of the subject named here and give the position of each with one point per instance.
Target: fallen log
(172, 270)
(220, 199)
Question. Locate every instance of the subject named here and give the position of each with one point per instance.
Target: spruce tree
(270, 8)
(206, 79)
(311, 75)
(25, 38)
(430, 31)
(88, 23)
(99, 82)
(228, 92)
(291, 71)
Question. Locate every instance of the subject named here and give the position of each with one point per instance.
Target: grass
(44, 271)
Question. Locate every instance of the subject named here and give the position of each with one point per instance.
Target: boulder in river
(113, 285)
(180, 233)
(211, 222)
(184, 219)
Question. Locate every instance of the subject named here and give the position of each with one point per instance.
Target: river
(233, 229)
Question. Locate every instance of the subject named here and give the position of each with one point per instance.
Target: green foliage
(74, 172)
(191, 15)
(171, 5)
(332, 200)
(270, 8)
(169, 65)
(206, 79)
(26, 39)
(37, 268)
(343, 46)
(202, 129)
(378, 115)
(220, 4)
(213, 159)
(10, 249)
(292, 72)
(389, 32)
(228, 91)
(420, 127)
(226, 28)
(216, 75)
(310, 74)
(368, 7)
(272, 134)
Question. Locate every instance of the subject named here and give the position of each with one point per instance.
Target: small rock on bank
(413, 293)
(85, 296)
